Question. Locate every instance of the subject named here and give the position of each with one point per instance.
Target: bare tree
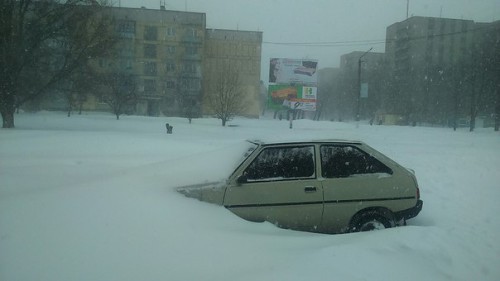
(76, 87)
(119, 92)
(226, 96)
(190, 108)
(42, 42)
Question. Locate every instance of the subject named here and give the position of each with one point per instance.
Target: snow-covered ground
(92, 198)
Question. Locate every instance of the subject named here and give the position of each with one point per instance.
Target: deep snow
(93, 198)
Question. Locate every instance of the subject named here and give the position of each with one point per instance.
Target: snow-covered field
(92, 198)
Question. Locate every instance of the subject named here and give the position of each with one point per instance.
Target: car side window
(340, 161)
(280, 163)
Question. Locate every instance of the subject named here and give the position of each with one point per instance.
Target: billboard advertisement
(293, 71)
(292, 96)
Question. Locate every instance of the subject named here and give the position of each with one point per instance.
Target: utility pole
(359, 83)
(407, 8)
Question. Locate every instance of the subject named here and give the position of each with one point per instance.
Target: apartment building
(234, 51)
(427, 41)
(434, 66)
(163, 50)
(172, 57)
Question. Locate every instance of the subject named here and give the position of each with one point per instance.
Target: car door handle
(309, 189)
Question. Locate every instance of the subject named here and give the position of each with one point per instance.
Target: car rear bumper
(410, 213)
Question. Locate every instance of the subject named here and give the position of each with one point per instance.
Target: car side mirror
(242, 179)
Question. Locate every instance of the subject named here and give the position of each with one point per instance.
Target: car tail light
(418, 193)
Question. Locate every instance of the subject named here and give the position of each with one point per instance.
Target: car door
(352, 180)
(279, 186)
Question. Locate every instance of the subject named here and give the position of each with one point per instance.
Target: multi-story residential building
(234, 51)
(435, 67)
(164, 51)
(426, 41)
(172, 57)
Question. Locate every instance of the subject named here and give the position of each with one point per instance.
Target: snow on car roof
(273, 142)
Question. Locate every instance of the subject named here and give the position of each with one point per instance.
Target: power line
(369, 42)
(327, 44)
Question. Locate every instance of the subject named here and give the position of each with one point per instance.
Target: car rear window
(340, 161)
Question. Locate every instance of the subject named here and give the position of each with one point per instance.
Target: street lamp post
(359, 83)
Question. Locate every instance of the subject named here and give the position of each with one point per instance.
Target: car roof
(275, 142)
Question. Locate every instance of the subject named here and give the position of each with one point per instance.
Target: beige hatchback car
(328, 186)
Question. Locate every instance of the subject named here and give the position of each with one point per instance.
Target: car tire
(370, 220)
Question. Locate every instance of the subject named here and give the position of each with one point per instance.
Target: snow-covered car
(330, 186)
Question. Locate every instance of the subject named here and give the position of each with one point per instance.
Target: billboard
(292, 96)
(292, 84)
(293, 71)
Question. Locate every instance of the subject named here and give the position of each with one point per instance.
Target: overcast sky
(361, 24)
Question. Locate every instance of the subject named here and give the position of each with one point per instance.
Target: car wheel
(371, 220)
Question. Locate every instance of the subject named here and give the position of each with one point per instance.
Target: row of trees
(117, 90)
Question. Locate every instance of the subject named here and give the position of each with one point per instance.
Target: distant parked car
(331, 186)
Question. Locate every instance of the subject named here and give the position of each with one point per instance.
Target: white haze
(92, 198)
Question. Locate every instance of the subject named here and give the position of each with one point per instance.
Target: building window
(126, 50)
(149, 85)
(126, 64)
(440, 53)
(150, 51)
(170, 65)
(191, 84)
(125, 28)
(189, 67)
(192, 32)
(170, 84)
(195, 85)
(151, 33)
(171, 50)
(191, 50)
(150, 68)
(431, 24)
(170, 31)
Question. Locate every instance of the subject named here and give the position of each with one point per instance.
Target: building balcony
(191, 39)
(189, 74)
(190, 92)
(191, 57)
(126, 35)
(150, 96)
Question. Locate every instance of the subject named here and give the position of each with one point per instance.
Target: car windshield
(108, 106)
(247, 148)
